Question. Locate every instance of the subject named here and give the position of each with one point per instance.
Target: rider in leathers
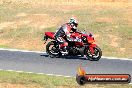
(64, 31)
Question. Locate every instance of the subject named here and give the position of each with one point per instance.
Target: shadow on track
(66, 57)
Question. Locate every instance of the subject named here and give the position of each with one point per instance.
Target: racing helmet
(73, 22)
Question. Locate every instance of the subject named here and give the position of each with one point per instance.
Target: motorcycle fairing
(50, 34)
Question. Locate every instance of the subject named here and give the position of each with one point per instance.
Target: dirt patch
(21, 14)
(108, 20)
(34, 20)
(122, 50)
(6, 24)
(39, 20)
(4, 41)
(114, 40)
(22, 22)
(43, 20)
(113, 0)
(9, 85)
(67, 8)
(13, 24)
(96, 35)
(28, 44)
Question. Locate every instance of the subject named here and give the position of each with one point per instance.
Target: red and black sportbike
(86, 48)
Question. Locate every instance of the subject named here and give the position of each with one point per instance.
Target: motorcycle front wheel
(95, 56)
(52, 50)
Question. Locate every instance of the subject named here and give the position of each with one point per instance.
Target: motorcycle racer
(63, 42)
(64, 31)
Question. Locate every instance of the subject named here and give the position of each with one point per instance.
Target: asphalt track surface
(67, 66)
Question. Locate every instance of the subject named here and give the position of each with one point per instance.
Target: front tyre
(52, 50)
(95, 56)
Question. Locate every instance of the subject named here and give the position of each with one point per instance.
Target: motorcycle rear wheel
(54, 51)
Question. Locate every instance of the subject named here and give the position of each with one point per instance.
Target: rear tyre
(52, 50)
(93, 57)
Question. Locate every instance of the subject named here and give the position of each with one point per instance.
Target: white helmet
(73, 22)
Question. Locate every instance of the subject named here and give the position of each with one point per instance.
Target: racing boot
(64, 50)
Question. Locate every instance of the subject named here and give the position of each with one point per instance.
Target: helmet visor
(75, 24)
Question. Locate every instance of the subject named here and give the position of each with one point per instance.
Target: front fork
(92, 47)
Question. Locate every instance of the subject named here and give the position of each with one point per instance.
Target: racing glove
(77, 40)
(72, 39)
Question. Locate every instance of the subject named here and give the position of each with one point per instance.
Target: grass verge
(28, 80)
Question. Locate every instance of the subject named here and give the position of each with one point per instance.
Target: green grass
(4, 46)
(25, 78)
(50, 81)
